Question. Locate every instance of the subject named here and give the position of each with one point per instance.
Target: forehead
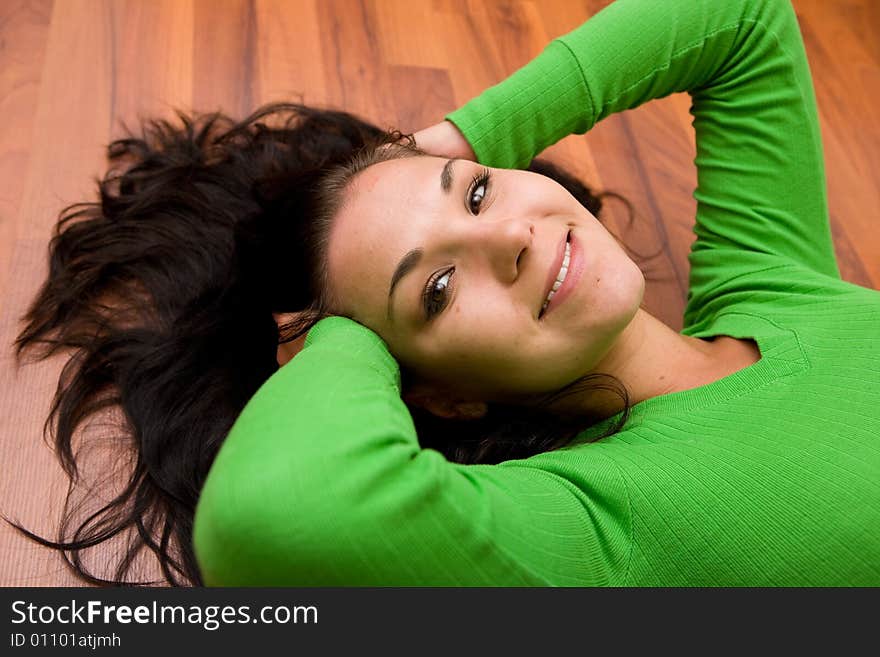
(386, 210)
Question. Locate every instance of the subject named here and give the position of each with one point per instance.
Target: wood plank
(290, 53)
(225, 56)
(152, 68)
(356, 79)
(846, 77)
(24, 29)
(72, 120)
(429, 96)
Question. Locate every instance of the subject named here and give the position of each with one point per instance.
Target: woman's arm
(322, 482)
(761, 180)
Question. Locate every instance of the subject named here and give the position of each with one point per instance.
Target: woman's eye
(435, 296)
(477, 192)
(477, 198)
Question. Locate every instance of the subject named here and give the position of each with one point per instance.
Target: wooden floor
(71, 71)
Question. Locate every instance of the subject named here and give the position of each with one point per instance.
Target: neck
(650, 359)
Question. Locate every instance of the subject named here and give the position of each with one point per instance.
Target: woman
(751, 454)
(170, 290)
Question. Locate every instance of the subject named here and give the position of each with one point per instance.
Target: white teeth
(560, 277)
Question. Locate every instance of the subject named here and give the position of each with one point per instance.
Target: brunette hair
(166, 293)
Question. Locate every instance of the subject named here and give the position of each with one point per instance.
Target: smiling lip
(575, 268)
(554, 271)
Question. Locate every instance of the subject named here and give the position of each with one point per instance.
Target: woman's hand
(444, 140)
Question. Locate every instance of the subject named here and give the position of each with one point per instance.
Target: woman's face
(471, 254)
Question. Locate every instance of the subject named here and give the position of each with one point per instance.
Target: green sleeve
(321, 482)
(760, 169)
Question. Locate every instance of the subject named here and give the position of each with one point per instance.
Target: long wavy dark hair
(166, 294)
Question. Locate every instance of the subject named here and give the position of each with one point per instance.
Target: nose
(502, 245)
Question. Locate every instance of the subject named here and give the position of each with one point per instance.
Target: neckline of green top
(781, 355)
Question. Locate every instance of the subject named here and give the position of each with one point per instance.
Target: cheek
(488, 325)
(487, 348)
(546, 198)
(466, 345)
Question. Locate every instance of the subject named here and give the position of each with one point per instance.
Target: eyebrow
(446, 178)
(412, 258)
(405, 266)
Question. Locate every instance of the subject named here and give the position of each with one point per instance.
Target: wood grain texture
(72, 72)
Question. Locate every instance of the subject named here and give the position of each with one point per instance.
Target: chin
(622, 293)
(636, 292)
(616, 306)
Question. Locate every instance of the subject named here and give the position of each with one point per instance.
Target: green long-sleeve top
(769, 476)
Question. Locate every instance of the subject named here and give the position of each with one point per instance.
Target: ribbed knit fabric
(769, 476)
